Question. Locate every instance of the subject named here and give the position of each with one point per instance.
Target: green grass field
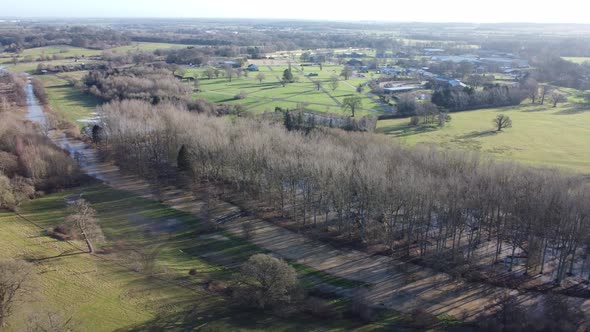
(65, 51)
(67, 101)
(60, 51)
(540, 134)
(148, 47)
(270, 93)
(104, 293)
(577, 59)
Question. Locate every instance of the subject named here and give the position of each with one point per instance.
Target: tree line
(469, 99)
(139, 82)
(438, 206)
(30, 164)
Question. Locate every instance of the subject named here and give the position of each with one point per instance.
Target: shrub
(192, 272)
(266, 281)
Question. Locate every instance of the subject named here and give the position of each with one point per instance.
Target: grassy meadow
(577, 59)
(268, 94)
(540, 135)
(108, 292)
(68, 102)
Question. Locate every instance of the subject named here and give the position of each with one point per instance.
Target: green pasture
(540, 134)
(105, 292)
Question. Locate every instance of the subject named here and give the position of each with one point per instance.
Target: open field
(541, 134)
(148, 47)
(67, 51)
(59, 51)
(70, 103)
(265, 96)
(106, 293)
(578, 59)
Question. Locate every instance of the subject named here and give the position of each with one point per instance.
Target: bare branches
(502, 121)
(421, 202)
(82, 220)
(16, 282)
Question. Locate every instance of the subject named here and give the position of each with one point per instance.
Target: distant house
(252, 67)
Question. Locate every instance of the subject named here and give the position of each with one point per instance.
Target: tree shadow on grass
(403, 130)
(540, 108)
(76, 96)
(478, 134)
(230, 318)
(575, 109)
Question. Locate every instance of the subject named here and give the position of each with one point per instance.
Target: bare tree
(16, 282)
(334, 82)
(352, 104)
(209, 72)
(318, 85)
(545, 89)
(260, 77)
(146, 257)
(502, 121)
(532, 88)
(82, 218)
(229, 72)
(346, 72)
(557, 97)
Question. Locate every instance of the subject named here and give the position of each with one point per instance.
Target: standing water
(82, 152)
(35, 111)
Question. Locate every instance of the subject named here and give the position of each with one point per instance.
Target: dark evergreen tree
(96, 134)
(183, 160)
(288, 75)
(288, 121)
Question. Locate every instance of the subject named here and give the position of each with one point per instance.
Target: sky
(477, 11)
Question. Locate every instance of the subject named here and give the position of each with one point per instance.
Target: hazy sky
(561, 11)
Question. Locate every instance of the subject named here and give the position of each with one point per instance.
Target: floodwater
(35, 111)
(80, 151)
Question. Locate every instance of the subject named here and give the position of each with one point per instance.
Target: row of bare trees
(421, 202)
(30, 163)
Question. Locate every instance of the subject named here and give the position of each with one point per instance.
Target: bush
(192, 272)
(266, 281)
(217, 286)
(241, 95)
(60, 232)
(414, 121)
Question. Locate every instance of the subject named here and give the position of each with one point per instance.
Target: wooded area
(438, 205)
